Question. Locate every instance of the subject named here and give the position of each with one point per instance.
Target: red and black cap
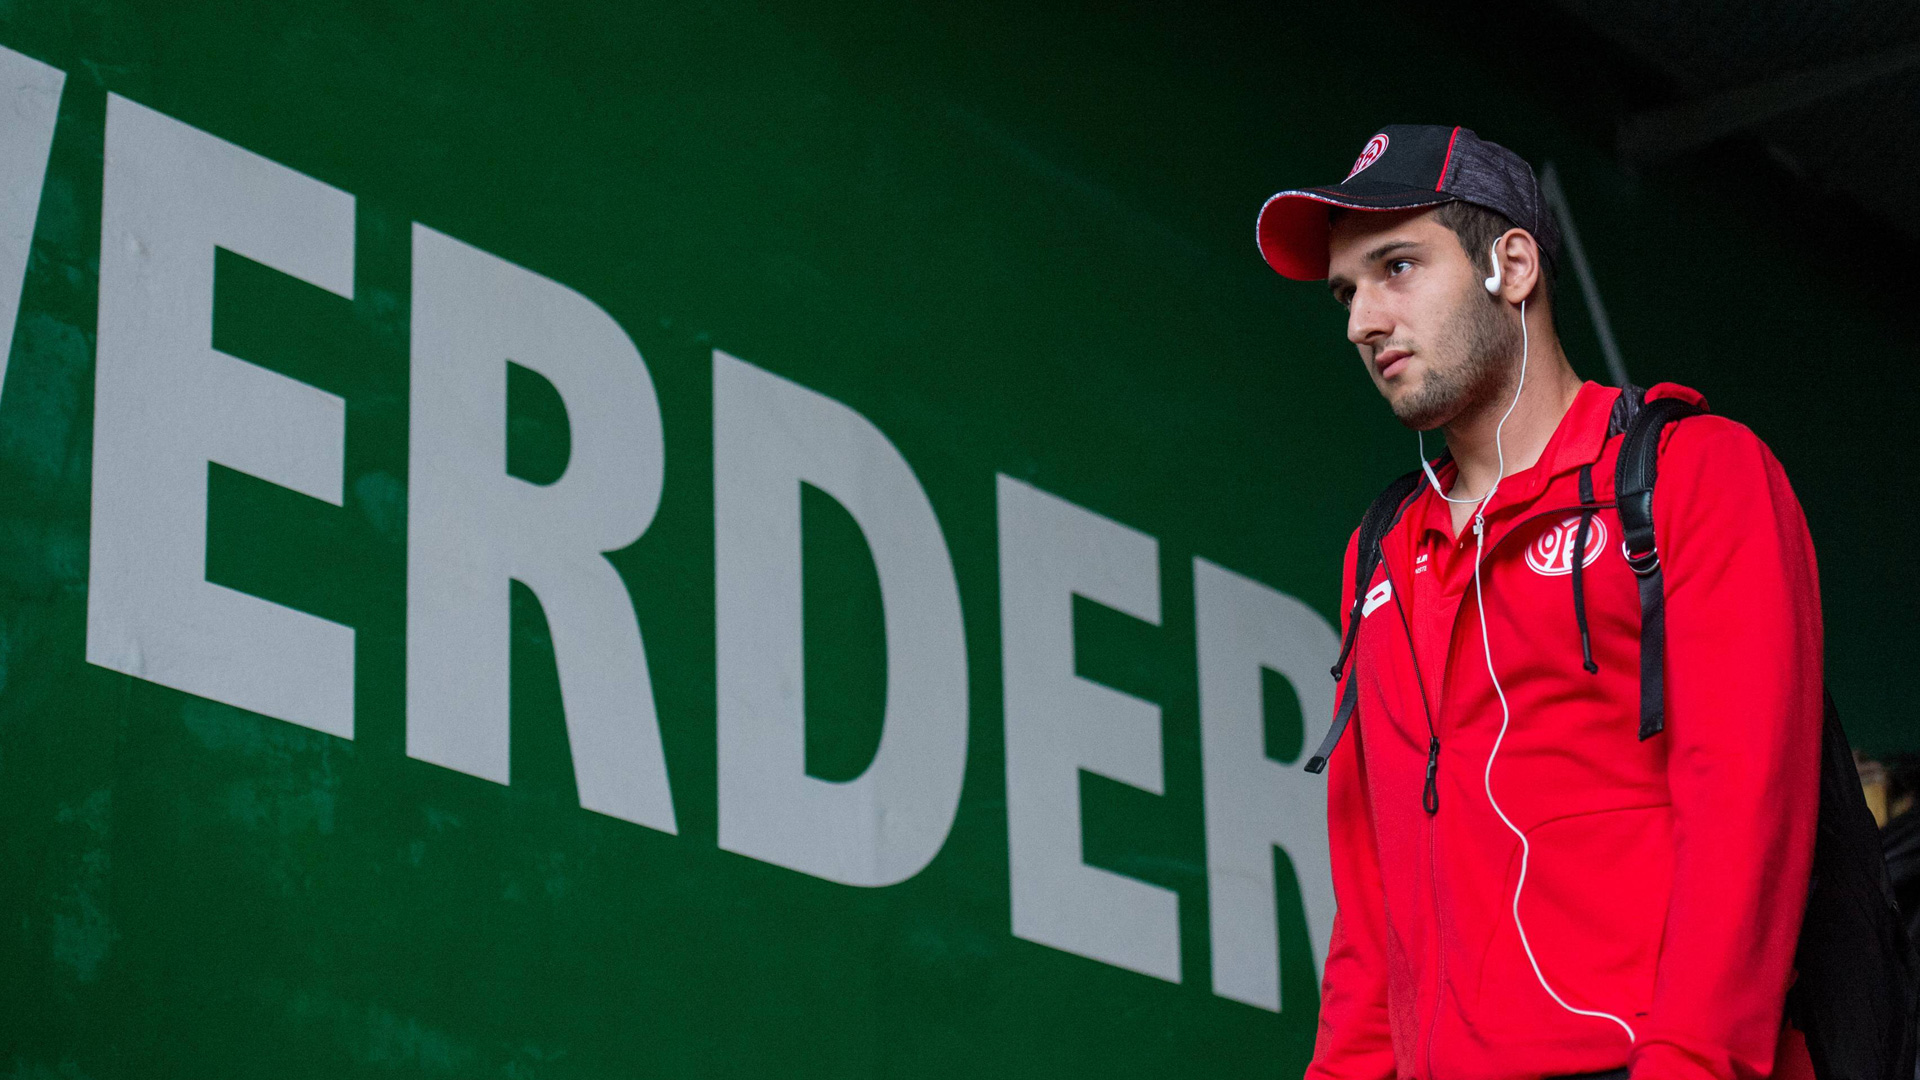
(1405, 166)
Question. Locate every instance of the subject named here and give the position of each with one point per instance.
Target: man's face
(1434, 341)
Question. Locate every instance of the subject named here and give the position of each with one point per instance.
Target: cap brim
(1292, 230)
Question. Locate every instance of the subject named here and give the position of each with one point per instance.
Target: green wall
(1017, 238)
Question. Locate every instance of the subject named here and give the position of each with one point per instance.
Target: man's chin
(1417, 414)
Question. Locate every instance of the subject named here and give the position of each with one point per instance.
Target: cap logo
(1370, 154)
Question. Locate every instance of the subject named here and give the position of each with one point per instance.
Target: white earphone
(1492, 284)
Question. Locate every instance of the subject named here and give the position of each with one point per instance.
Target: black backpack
(1855, 995)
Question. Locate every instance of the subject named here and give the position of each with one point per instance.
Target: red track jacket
(1666, 878)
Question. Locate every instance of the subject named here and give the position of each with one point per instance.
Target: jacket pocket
(1594, 904)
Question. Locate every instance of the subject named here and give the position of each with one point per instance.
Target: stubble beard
(1470, 366)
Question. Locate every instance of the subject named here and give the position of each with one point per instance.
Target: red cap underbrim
(1293, 231)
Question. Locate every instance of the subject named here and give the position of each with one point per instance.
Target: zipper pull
(1430, 796)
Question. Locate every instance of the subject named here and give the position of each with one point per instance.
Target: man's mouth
(1391, 362)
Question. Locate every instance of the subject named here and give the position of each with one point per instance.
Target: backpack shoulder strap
(1634, 475)
(1380, 517)
(1625, 408)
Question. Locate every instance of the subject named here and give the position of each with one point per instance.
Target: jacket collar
(1577, 440)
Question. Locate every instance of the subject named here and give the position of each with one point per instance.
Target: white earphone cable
(1506, 714)
(1486, 780)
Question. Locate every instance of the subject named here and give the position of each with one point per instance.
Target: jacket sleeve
(1354, 1041)
(1743, 694)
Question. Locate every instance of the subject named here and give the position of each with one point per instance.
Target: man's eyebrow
(1389, 248)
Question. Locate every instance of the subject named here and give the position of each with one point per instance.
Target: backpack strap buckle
(1645, 564)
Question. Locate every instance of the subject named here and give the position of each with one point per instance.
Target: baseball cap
(1401, 167)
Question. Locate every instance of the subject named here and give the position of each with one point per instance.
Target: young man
(1526, 889)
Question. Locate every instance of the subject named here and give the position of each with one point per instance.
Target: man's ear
(1519, 256)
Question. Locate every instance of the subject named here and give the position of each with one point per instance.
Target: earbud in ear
(1493, 280)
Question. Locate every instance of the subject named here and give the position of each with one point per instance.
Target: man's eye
(1396, 266)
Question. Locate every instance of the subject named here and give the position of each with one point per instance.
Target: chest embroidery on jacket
(1551, 553)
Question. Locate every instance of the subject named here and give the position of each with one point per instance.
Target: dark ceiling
(1829, 89)
(1817, 101)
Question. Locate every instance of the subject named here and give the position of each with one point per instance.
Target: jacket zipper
(1429, 795)
(1430, 802)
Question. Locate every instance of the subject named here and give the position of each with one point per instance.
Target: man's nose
(1367, 321)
